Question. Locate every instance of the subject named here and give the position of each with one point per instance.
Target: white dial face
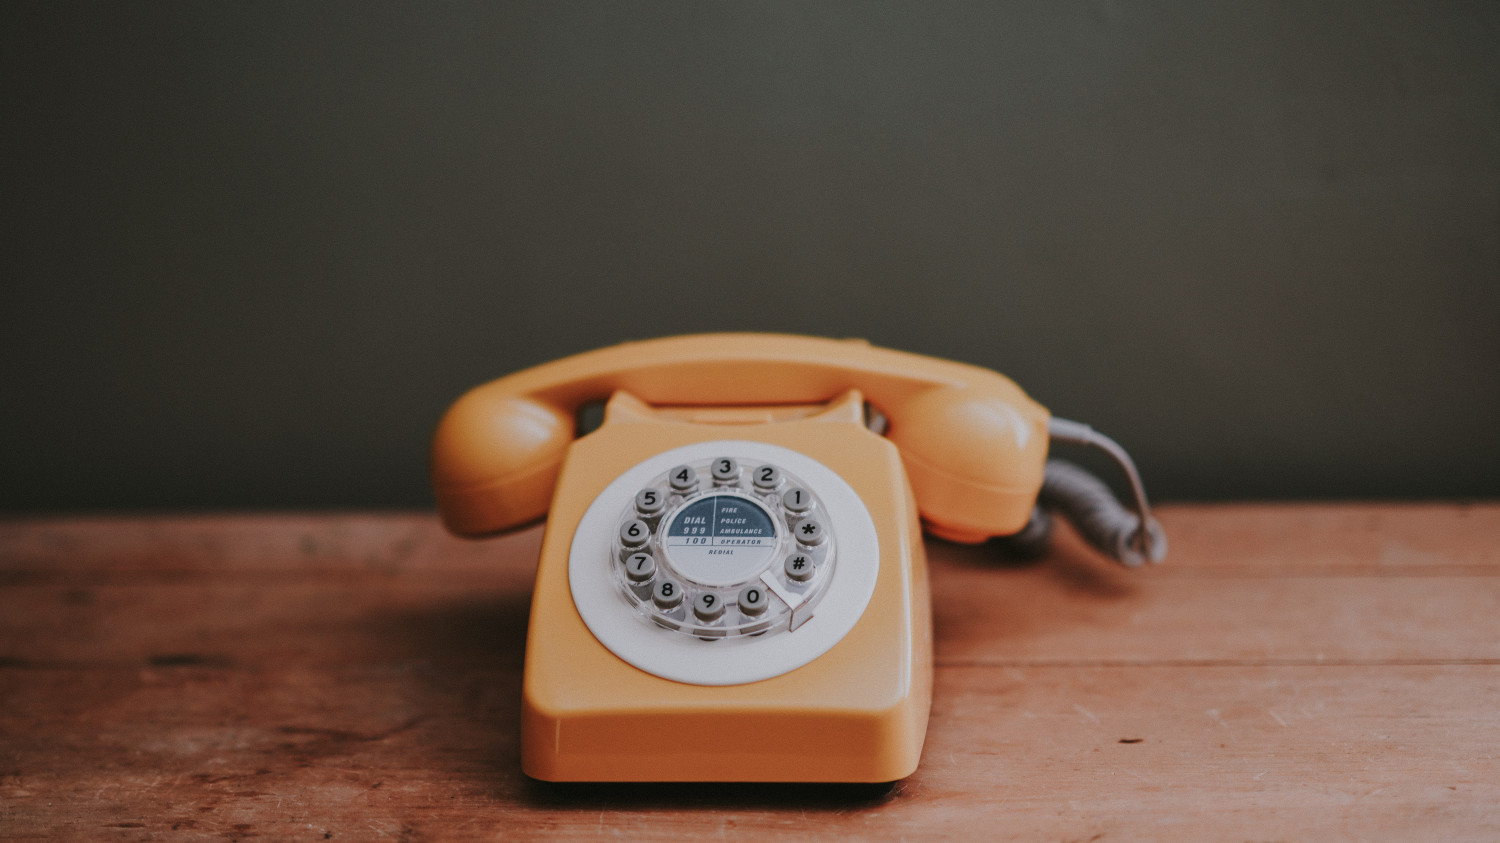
(724, 562)
(720, 539)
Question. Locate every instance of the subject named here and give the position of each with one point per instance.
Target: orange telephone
(732, 584)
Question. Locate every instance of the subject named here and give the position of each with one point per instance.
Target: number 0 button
(634, 533)
(667, 594)
(752, 600)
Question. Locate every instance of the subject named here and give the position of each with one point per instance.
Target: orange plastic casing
(858, 713)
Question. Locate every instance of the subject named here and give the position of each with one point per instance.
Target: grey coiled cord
(1132, 538)
(1091, 508)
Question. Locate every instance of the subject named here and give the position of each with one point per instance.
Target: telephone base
(854, 710)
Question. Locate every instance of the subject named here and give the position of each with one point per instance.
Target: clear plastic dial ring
(731, 545)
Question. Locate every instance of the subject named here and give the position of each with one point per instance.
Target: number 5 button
(649, 501)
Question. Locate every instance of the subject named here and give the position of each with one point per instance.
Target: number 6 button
(634, 533)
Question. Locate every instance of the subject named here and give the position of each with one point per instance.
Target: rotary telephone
(732, 584)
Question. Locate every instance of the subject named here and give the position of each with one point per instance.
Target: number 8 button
(667, 594)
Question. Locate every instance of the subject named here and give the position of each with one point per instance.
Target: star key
(810, 531)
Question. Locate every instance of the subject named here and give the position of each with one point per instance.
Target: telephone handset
(732, 584)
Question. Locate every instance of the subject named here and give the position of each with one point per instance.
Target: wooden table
(1293, 672)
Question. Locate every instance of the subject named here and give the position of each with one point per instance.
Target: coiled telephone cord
(1131, 538)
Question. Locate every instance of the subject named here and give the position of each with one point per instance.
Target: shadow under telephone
(732, 584)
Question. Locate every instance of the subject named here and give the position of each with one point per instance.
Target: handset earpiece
(974, 454)
(495, 459)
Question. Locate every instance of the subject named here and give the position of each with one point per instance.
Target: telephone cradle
(732, 584)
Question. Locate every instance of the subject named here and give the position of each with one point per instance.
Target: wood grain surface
(1293, 672)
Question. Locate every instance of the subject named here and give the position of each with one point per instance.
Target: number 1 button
(649, 501)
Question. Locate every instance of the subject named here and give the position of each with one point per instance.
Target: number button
(708, 606)
(640, 567)
(809, 532)
(767, 477)
(753, 600)
(667, 594)
(796, 500)
(649, 501)
(799, 566)
(634, 533)
(684, 478)
(725, 470)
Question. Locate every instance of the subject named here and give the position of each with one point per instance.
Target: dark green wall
(252, 250)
